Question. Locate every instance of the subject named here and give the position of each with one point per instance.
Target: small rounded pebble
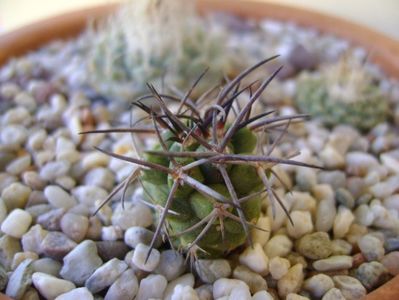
(303, 224)
(16, 223)
(262, 295)
(342, 222)
(210, 270)
(184, 280)
(20, 280)
(278, 267)
(259, 236)
(81, 262)
(49, 286)
(338, 262)
(171, 264)
(340, 247)
(105, 275)
(318, 285)
(15, 195)
(111, 249)
(278, 245)
(344, 197)
(372, 274)
(140, 257)
(74, 226)
(225, 287)
(350, 287)
(391, 262)
(136, 235)
(147, 290)
(124, 288)
(292, 281)
(315, 245)
(79, 293)
(255, 258)
(333, 294)
(58, 198)
(184, 293)
(32, 239)
(47, 265)
(254, 281)
(371, 247)
(54, 169)
(56, 245)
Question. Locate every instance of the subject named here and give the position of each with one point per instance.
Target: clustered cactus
(147, 39)
(210, 170)
(342, 93)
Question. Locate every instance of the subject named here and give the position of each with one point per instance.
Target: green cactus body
(342, 94)
(192, 206)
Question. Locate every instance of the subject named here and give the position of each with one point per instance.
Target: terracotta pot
(384, 50)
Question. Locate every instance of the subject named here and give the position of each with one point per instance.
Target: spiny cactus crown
(205, 176)
(147, 39)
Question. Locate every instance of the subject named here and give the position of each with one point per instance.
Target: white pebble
(19, 165)
(111, 233)
(332, 158)
(333, 263)
(371, 247)
(88, 195)
(302, 224)
(255, 258)
(80, 293)
(59, 198)
(16, 223)
(278, 245)
(262, 295)
(278, 267)
(94, 159)
(343, 221)
(185, 280)
(13, 136)
(318, 285)
(36, 140)
(363, 215)
(259, 236)
(147, 288)
(184, 293)
(140, 255)
(226, 287)
(291, 282)
(49, 286)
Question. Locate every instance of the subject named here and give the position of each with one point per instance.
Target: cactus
(342, 93)
(209, 173)
(147, 39)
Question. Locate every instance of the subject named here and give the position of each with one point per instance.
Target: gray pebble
(171, 264)
(58, 197)
(350, 287)
(302, 59)
(9, 246)
(56, 245)
(333, 294)
(5, 158)
(3, 278)
(305, 178)
(81, 262)
(314, 245)
(344, 197)
(13, 136)
(51, 220)
(391, 244)
(371, 247)
(337, 179)
(32, 239)
(372, 274)
(20, 280)
(105, 275)
(36, 198)
(47, 265)
(37, 210)
(210, 270)
(255, 281)
(124, 288)
(111, 249)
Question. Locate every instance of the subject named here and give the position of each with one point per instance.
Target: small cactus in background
(147, 39)
(342, 93)
(209, 170)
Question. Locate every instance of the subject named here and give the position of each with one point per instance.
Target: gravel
(346, 217)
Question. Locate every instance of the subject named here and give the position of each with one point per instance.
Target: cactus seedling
(208, 176)
(147, 39)
(342, 93)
